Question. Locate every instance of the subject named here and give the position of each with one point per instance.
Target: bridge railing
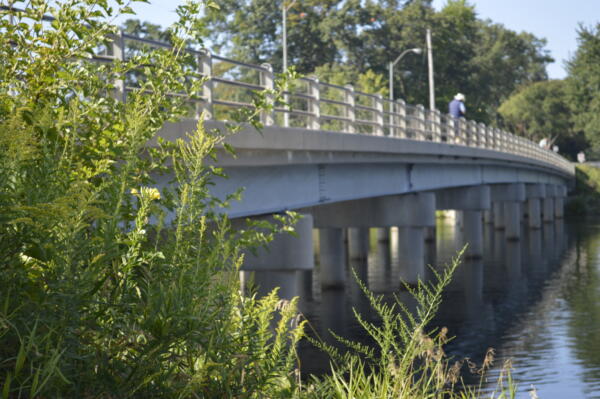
(315, 105)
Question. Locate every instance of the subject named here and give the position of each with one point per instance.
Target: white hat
(459, 97)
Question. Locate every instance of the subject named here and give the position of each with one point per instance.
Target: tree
(583, 86)
(486, 61)
(541, 110)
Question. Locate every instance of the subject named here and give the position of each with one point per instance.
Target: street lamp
(393, 64)
(284, 10)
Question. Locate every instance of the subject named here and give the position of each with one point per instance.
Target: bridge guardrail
(316, 105)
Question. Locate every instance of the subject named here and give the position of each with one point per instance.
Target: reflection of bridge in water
(488, 304)
(351, 161)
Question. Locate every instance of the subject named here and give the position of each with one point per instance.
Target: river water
(535, 301)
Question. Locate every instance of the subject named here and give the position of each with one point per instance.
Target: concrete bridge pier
(383, 234)
(535, 195)
(498, 215)
(548, 207)
(512, 219)
(488, 216)
(358, 242)
(332, 257)
(510, 196)
(473, 233)
(415, 213)
(559, 202)
(472, 201)
(281, 263)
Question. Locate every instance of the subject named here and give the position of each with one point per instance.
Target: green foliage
(583, 86)
(486, 61)
(113, 287)
(540, 110)
(586, 198)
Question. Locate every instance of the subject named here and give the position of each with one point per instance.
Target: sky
(554, 20)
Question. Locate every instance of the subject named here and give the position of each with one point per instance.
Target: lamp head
(417, 50)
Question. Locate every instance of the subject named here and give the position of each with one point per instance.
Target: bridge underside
(270, 189)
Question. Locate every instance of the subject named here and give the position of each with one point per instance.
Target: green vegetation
(113, 287)
(583, 87)
(586, 200)
(564, 110)
(486, 61)
(539, 111)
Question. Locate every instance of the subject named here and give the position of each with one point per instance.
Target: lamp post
(393, 64)
(284, 10)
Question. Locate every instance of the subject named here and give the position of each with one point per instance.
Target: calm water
(536, 301)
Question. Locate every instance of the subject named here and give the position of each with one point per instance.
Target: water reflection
(536, 300)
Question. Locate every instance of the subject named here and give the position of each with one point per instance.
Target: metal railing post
(267, 116)
(378, 105)
(350, 110)
(421, 122)
(481, 135)
(437, 125)
(450, 129)
(205, 66)
(118, 53)
(314, 107)
(401, 118)
(473, 137)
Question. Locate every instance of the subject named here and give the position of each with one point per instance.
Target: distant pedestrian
(544, 143)
(457, 108)
(581, 157)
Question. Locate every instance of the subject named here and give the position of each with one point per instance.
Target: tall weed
(113, 287)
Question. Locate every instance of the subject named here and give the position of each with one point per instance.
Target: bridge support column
(358, 242)
(383, 234)
(417, 213)
(411, 246)
(534, 208)
(280, 264)
(535, 195)
(510, 197)
(512, 220)
(559, 202)
(498, 215)
(430, 234)
(488, 216)
(473, 232)
(332, 257)
(548, 208)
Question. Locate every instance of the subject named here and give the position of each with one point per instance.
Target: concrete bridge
(350, 161)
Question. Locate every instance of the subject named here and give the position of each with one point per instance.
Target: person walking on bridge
(457, 108)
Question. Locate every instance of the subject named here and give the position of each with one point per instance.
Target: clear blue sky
(555, 20)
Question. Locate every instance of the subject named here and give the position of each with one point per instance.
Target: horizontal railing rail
(331, 107)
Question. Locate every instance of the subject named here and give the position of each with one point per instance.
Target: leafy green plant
(111, 285)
